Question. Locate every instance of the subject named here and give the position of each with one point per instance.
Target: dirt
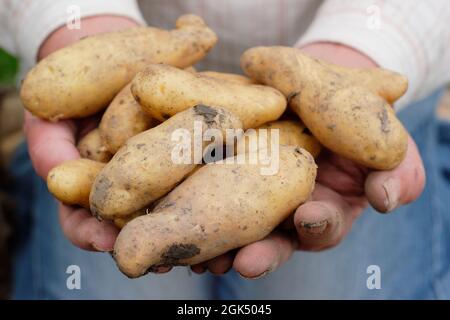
(207, 112)
(178, 252)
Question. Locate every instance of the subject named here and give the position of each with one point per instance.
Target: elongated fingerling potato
(163, 91)
(91, 147)
(81, 79)
(233, 77)
(347, 110)
(291, 133)
(123, 119)
(218, 208)
(71, 181)
(151, 163)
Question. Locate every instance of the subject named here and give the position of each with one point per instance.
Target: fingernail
(198, 268)
(314, 227)
(255, 277)
(102, 247)
(163, 269)
(269, 270)
(392, 189)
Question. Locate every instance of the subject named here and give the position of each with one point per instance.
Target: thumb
(386, 190)
(49, 143)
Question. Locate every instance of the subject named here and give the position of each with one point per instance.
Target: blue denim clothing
(410, 246)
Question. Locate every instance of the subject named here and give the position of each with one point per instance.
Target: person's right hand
(51, 143)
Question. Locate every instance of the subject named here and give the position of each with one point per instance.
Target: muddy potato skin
(81, 79)
(217, 209)
(292, 133)
(91, 147)
(163, 91)
(71, 181)
(233, 77)
(347, 110)
(142, 170)
(123, 119)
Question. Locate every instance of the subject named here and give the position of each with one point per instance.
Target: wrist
(63, 36)
(339, 54)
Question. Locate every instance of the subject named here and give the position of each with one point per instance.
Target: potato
(144, 169)
(123, 119)
(290, 133)
(91, 147)
(71, 181)
(236, 78)
(219, 208)
(163, 91)
(121, 222)
(190, 69)
(347, 110)
(81, 79)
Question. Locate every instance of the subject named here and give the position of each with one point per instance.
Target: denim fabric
(411, 246)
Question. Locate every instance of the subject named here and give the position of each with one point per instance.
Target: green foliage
(9, 66)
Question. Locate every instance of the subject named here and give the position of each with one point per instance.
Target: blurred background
(11, 119)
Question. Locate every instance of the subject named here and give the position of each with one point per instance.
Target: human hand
(51, 143)
(343, 191)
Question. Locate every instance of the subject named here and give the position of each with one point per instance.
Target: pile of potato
(183, 214)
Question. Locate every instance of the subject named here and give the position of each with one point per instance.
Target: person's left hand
(343, 191)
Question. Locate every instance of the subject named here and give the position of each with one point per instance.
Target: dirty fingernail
(266, 272)
(314, 227)
(255, 277)
(392, 189)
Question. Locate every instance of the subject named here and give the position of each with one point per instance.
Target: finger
(323, 222)
(199, 268)
(162, 269)
(49, 143)
(386, 190)
(262, 257)
(85, 231)
(221, 264)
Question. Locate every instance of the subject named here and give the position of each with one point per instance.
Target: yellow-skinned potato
(347, 110)
(144, 169)
(91, 147)
(81, 79)
(71, 181)
(121, 222)
(233, 77)
(163, 91)
(123, 119)
(219, 208)
(293, 133)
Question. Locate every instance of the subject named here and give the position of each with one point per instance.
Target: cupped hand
(343, 191)
(50, 144)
